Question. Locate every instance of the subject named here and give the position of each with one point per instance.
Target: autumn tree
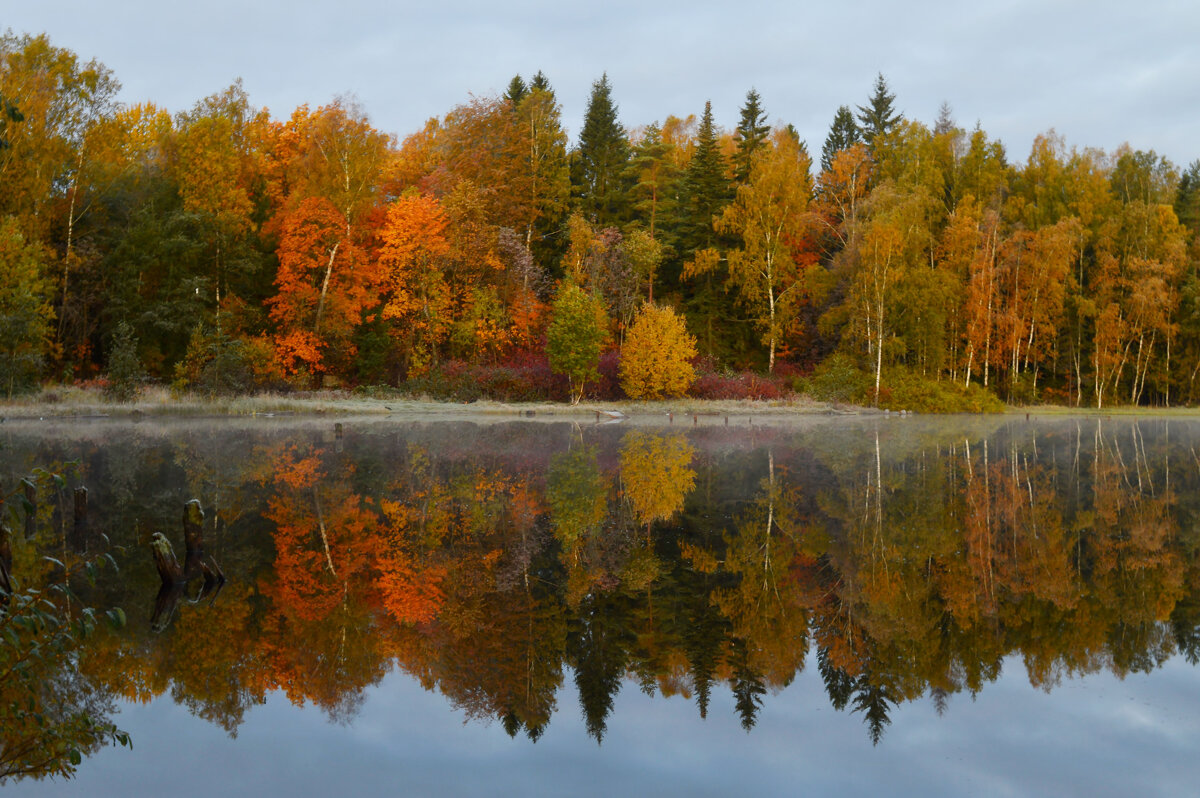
(575, 337)
(413, 244)
(25, 311)
(656, 357)
(769, 215)
(325, 283)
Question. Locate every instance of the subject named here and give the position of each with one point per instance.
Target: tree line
(225, 249)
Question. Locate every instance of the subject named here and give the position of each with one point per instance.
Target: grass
(79, 402)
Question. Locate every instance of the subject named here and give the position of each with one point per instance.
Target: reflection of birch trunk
(770, 519)
(321, 530)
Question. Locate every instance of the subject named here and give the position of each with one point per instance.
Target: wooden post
(81, 508)
(5, 565)
(31, 508)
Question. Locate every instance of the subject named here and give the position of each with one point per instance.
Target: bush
(907, 390)
(744, 385)
(656, 358)
(838, 379)
(524, 378)
(125, 374)
(219, 365)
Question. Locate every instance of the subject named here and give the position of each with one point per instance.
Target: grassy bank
(74, 402)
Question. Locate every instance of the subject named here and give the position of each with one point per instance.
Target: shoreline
(81, 404)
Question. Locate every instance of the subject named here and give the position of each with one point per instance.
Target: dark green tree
(597, 174)
(540, 83)
(843, 133)
(1187, 198)
(517, 91)
(751, 135)
(8, 113)
(879, 115)
(706, 187)
(125, 371)
(654, 182)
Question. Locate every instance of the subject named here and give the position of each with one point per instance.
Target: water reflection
(904, 560)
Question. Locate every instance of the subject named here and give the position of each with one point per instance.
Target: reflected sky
(1096, 736)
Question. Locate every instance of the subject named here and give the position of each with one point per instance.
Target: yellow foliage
(656, 357)
(657, 474)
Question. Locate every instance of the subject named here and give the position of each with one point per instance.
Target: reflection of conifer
(940, 699)
(512, 724)
(873, 701)
(838, 684)
(1185, 622)
(748, 688)
(599, 652)
(535, 732)
(702, 642)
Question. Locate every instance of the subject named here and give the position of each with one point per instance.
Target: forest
(224, 250)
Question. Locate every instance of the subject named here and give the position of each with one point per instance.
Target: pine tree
(599, 164)
(706, 187)
(517, 91)
(540, 83)
(653, 180)
(878, 117)
(945, 120)
(1187, 198)
(843, 133)
(751, 135)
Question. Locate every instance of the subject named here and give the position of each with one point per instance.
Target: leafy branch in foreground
(50, 715)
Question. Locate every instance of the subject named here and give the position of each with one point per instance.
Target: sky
(1099, 73)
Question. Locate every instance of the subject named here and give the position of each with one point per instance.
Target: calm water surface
(869, 606)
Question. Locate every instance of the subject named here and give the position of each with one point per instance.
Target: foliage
(741, 385)
(334, 254)
(656, 356)
(125, 371)
(24, 310)
(575, 337)
(50, 717)
(218, 364)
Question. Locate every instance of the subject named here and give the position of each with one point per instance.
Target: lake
(692, 606)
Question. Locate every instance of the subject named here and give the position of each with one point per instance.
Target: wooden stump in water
(30, 508)
(5, 564)
(175, 578)
(81, 509)
(164, 560)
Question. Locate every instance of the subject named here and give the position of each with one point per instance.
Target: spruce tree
(540, 83)
(599, 164)
(653, 180)
(1187, 198)
(517, 91)
(878, 116)
(843, 134)
(751, 135)
(706, 186)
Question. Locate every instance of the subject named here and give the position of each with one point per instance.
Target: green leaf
(116, 616)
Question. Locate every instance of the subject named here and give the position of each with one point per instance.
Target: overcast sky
(1100, 73)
